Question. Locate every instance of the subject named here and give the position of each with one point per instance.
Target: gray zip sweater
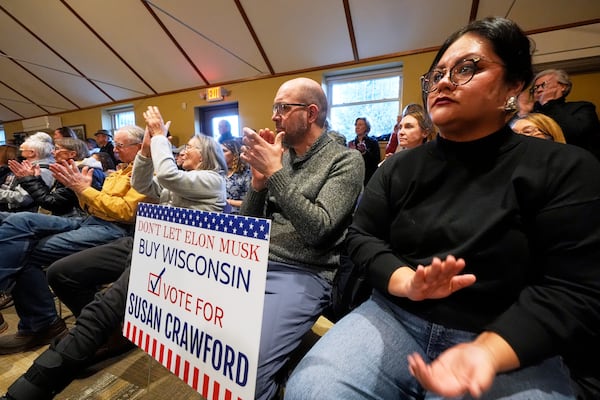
(310, 203)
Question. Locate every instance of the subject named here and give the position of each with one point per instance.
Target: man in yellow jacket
(30, 241)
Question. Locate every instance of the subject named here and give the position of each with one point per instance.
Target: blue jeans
(294, 299)
(364, 356)
(4, 215)
(30, 241)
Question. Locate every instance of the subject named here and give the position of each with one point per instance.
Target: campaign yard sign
(196, 293)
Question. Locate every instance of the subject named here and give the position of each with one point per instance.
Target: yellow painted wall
(585, 87)
(256, 97)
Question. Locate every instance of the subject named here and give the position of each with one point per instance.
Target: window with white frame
(375, 94)
(2, 135)
(120, 116)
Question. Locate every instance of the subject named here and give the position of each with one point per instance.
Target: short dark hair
(66, 132)
(508, 41)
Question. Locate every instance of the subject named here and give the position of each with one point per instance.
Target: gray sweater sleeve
(310, 202)
(142, 177)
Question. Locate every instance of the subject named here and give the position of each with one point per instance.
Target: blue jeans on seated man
(364, 356)
(4, 215)
(295, 296)
(31, 241)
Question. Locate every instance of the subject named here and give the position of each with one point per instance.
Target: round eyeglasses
(542, 86)
(123, 145)
(283, 108)
(460, 74)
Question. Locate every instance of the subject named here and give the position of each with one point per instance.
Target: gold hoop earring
(511, 104)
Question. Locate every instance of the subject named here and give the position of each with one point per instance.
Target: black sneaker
(22, 389)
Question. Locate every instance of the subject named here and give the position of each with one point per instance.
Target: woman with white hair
(36, 151)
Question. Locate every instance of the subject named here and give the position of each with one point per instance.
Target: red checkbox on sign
(154, 282)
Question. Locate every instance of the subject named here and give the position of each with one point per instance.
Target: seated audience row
(472, 282)
(309, 191)
(200, 185)
(29, 242)
(577, 119)
(37, 151)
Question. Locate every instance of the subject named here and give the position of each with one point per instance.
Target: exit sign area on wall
(214, 93)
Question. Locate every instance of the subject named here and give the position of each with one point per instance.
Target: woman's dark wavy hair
(509, 42)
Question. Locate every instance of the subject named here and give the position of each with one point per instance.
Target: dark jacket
(577, 119)
(109, 149)
(59, 199)
(370, 153)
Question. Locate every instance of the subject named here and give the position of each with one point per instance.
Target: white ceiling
(64, 55)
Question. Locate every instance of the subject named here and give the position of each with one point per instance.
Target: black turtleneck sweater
(523, 212)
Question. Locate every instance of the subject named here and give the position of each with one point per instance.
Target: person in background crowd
(577, 119)
(538, 125)
(57, 199)
(367, 146)
(415, 127)
(105, 161)
(7, 152)
(64, 132)
(238, 174)
(201, 185)
(224, 131)
(104, 141)
(426, 125)
(30, 241)
(178, 154)
(476, 291)
(92, 145)
(36, 150)
(392, 144)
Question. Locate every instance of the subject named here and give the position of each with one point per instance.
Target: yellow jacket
(117, 201)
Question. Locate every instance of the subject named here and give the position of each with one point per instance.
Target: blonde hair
(545, 124)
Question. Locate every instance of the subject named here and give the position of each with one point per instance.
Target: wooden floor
(134, 375)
